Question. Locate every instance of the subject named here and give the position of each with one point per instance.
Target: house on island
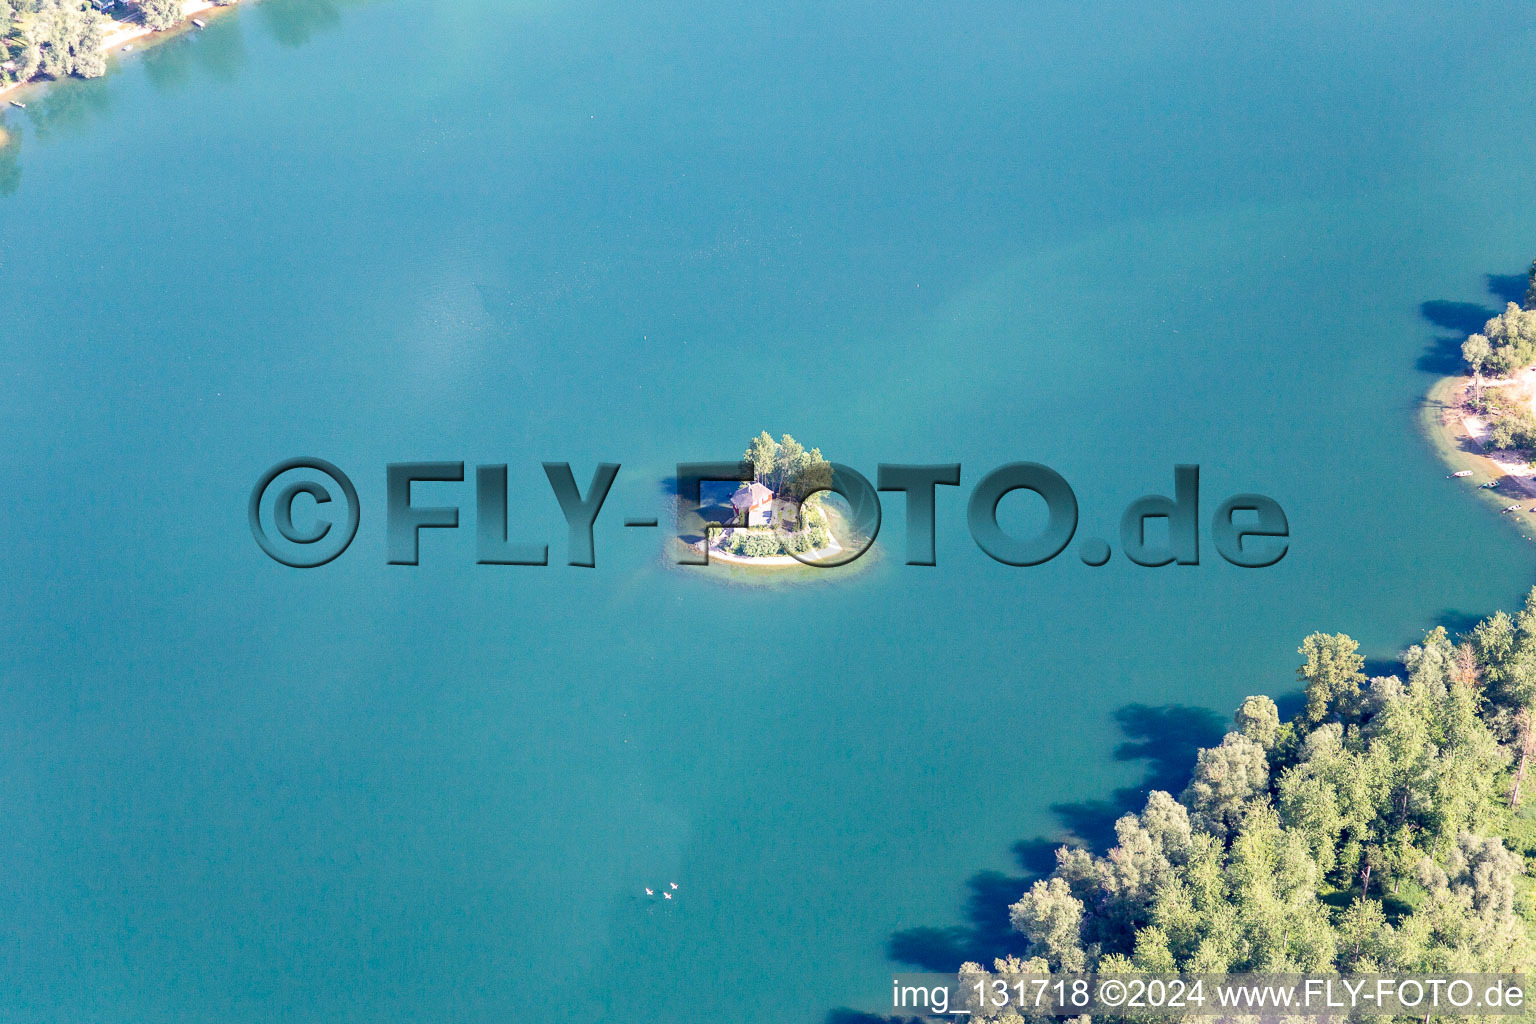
(756, 501)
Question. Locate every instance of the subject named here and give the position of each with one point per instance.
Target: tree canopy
(793, 472)
(63, 37)
(786, 465)
(1379, 830)
(1506, 343)
(161, 14)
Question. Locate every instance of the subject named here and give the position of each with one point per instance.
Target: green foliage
(1520, 835)
(763, 453)
(1374, 832)
(786, 466)
(30, 60)
(791, 471)
(1513, 430)
(64, 38)
(1259, 720)
(1331, 675)
(755, 544)
(1475, 352)
(160, 14)
(1228, 779)
(1530, 289)
(1510, 339)
(1050, 917)
(761, 545)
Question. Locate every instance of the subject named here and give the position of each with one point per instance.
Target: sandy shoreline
(1460, 437)
(126, 33)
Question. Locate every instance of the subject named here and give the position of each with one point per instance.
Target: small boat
(1512, 508)
(128, 48)
(1462, 472)
(18, 105)
(1489, 484)
(198, 23)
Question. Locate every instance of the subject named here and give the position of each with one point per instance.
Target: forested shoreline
(1505, 345)
(60, 38)
(1385, 827)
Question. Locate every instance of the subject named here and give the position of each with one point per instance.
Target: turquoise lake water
(1107, 238)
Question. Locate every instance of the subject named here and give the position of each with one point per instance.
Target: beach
(126, 33)
(1460, 437)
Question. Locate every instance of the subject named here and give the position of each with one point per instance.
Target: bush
(1511, 337)
(1516, 430)
(761, 545)
(160, 14)
(1520, 835)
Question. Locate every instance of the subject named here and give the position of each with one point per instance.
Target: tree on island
(161, 14)
(1530, 289)
(785, 463)
(790, 472)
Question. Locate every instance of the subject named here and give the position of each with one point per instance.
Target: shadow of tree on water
(1462, 317)
(10, 161)
(1508, 287)
(1165, 736)
(69, 104)
(1443, 354)
(220, 55)
(1457, 622)
(295, 22)
(844, 1016)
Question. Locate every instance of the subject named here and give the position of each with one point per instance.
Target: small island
(776, 516)
(1484, 420)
